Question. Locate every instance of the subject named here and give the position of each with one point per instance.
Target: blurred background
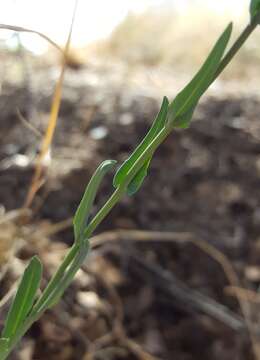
(174, 271)
(127, 30)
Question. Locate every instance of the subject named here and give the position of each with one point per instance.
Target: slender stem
(66, 279)
(104, 211)
(238, 44)
(120, 191)
(56, 278)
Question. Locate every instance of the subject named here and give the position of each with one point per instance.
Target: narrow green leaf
(183, 121)
(54, 296)
(138, 180)
(156, 127)
(24, 298)
(68, 277)
(82, 214)
(254, 8)
(191, 94)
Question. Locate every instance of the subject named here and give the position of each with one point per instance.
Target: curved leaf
(138, 180)
(24, 298)
(190, 95)
(82, 214)
(156, 127)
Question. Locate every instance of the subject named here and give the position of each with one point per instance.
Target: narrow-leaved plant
(27, 307)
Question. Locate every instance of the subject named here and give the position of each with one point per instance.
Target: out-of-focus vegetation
(163, 38)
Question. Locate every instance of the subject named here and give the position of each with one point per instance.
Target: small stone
(252, 273)
(98, 133)
(89, 299)
(126, 119)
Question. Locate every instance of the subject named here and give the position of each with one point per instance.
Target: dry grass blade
(105, 343)
(22, 29)
(37, 180)
(5, 299)
(14, 215)
(244, 294)
(234, 282)
(28, 125)
(139, 235)
(218, 256)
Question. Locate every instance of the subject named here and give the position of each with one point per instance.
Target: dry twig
(117, 332)
(37, 180)
(22, 29)
(234, 282)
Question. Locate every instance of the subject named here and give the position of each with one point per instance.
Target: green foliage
(82, 214)
(254, 8)
(24, 298)
(67, 278)
(138, 179)
(182, 107)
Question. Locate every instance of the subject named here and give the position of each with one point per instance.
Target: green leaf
(138, 180)
(68, 277)
(24, 298)
(190, 95)
(183, 121)
(82, 214)
(156, 127)
(254, 8)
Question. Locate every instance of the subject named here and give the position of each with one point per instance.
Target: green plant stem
(55, 296)
(120, 191)
(56, 278)
(238, 44)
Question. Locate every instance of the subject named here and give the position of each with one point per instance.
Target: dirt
(203, 181)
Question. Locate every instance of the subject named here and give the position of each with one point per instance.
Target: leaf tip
(254, 8)
(230, 27)
(35, 261)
